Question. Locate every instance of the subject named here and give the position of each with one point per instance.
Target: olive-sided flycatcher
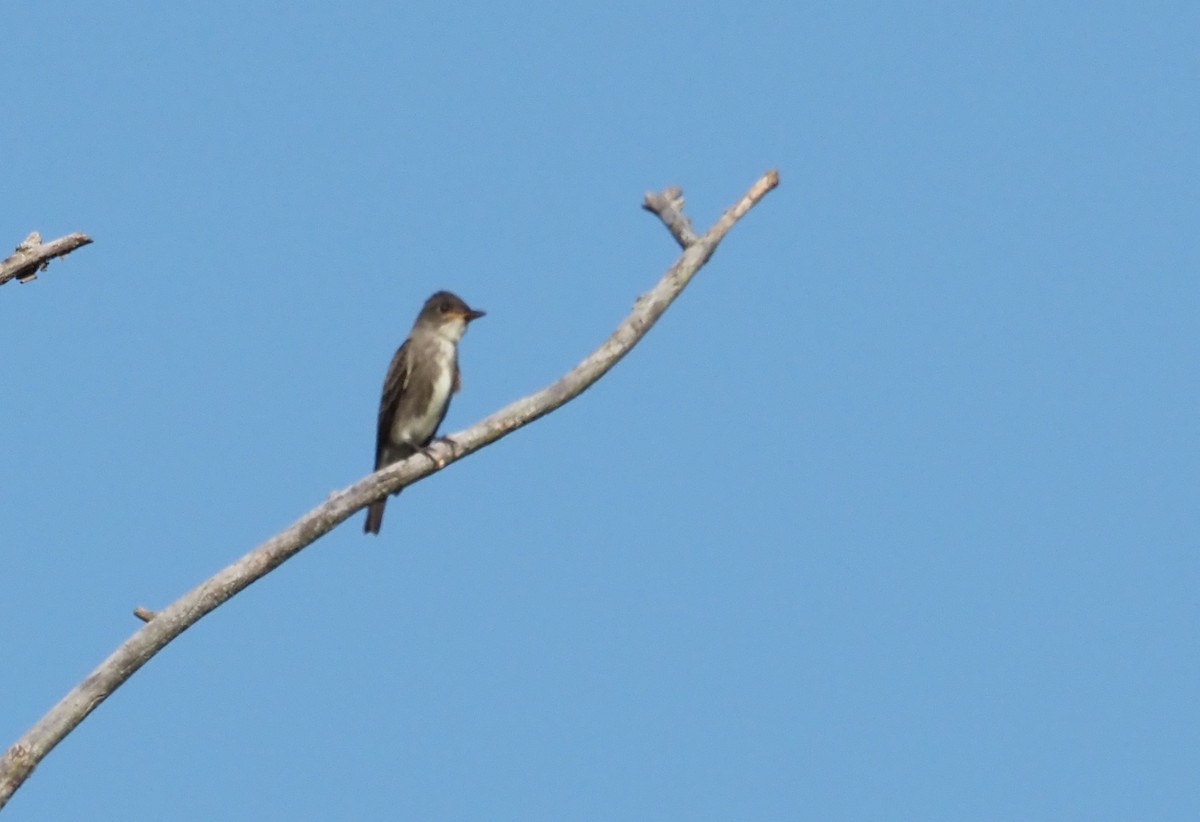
(417, 389)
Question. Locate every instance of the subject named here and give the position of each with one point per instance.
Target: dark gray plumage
(419, 383)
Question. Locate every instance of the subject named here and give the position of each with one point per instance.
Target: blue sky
(892, 516)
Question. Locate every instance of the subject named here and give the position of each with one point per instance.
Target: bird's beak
(472, 314)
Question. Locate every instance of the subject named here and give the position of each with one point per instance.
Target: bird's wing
(457, 378)
(393, 386)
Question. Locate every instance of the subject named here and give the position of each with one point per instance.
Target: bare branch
(33, 256)
(163, 626)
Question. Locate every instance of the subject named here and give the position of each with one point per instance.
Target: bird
(422, 377)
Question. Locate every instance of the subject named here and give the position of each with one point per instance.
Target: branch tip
(768, 181)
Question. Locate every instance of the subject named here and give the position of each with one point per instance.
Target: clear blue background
(893, 516)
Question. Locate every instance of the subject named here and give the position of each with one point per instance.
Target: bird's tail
(392, 453)
(375, 516)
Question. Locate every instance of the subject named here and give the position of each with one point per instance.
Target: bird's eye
(445, 308)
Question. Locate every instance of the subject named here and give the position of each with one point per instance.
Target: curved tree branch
(163, 626)
(33, 256)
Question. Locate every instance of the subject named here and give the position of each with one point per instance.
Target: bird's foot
(440, 462)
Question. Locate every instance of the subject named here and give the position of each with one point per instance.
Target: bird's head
(448, 315)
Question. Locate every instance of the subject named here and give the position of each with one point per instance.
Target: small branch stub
(144, 614)
(32, 256)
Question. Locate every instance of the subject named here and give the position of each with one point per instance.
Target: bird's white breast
(420, 427)
(444, 385)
